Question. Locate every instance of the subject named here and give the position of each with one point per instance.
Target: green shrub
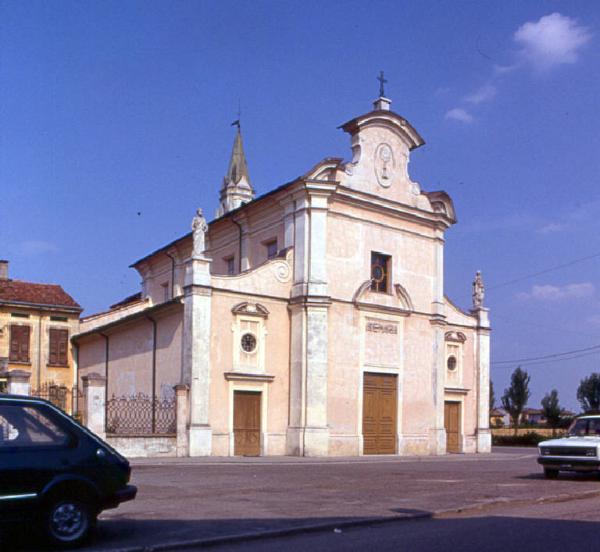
(529, 439)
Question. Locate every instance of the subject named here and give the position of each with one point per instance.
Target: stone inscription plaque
(378, 327)
(382, 343)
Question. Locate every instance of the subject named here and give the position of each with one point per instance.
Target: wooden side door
(452, 425)
(379, 414)
(246, 423)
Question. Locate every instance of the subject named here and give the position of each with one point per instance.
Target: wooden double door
(380, 407)
(246, 423)
(452, 426)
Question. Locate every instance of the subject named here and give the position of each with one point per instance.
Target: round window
(248, 342)
(451, 363)
(378, 273)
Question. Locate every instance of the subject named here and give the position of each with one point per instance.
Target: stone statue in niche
(199, 229)
(478, 291)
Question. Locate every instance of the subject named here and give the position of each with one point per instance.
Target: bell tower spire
(236, 189)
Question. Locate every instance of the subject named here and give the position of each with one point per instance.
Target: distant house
(36, 325)
(533, 416)
(499, 418)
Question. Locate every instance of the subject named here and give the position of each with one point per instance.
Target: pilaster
(289, 206)
(182, 410)
(94, 391)
(484, 438)
(244, 253)
(438, 322)
(308, 433)
(196, 352)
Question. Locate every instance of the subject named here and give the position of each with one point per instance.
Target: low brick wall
(144, 446)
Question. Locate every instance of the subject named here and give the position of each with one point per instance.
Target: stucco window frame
(456, 349)
(256, 314)
(388, 272)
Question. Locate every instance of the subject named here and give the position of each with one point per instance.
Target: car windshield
(585, 426)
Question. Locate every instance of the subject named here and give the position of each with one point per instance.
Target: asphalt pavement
(211, 500)
(547, 527)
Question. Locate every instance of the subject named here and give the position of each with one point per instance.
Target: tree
(588, 393)
(552, 410)
(516, 396)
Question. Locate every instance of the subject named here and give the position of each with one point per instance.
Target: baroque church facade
(311, 320)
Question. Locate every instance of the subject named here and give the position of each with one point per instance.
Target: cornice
(396, 209)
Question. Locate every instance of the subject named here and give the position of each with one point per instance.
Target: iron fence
(140, 414)
(78, 404)
(56, 394)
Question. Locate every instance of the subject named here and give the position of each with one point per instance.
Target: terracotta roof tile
(38, 294)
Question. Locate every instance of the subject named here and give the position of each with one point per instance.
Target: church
(309, 321)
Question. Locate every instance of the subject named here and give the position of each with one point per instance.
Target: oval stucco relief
(384, 164)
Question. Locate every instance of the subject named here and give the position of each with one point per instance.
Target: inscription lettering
(376, 327)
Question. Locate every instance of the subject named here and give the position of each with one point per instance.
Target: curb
(272, 533)
(358, 522)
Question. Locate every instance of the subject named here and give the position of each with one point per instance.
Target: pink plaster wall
(168, 352)
(91, 356)
(130, 360)
(276, 345)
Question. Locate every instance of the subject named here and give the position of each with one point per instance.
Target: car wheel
(68, 521)
(550, 474)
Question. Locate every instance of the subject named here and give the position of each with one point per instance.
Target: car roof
(21, 398)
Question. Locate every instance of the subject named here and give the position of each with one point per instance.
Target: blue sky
(115, 125)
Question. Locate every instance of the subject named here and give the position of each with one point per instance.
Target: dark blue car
(55, 472)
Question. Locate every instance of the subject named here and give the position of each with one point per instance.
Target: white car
(579, 451)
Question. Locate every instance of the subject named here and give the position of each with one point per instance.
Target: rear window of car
(28, 426)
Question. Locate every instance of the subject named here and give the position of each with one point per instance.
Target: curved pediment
(457, 337)
(398, 301)
(250, 309)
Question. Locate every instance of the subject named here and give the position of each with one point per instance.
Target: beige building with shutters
(310, 321)
(37, 322)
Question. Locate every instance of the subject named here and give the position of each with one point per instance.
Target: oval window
(248, 342)
(451, 363)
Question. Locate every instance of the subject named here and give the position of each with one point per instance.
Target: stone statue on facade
(478, 291)
(199, 229)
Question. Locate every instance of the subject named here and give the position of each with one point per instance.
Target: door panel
(246, 423)
(452, 425)
(379, 414)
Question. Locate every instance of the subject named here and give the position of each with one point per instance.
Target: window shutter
(24, 344)
(19, 344)
(62, 347)
(58, 347)
(14, 343)
(53, 349)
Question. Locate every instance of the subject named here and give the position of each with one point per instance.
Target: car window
(594, 427)
(28, 426)
(8, 432)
